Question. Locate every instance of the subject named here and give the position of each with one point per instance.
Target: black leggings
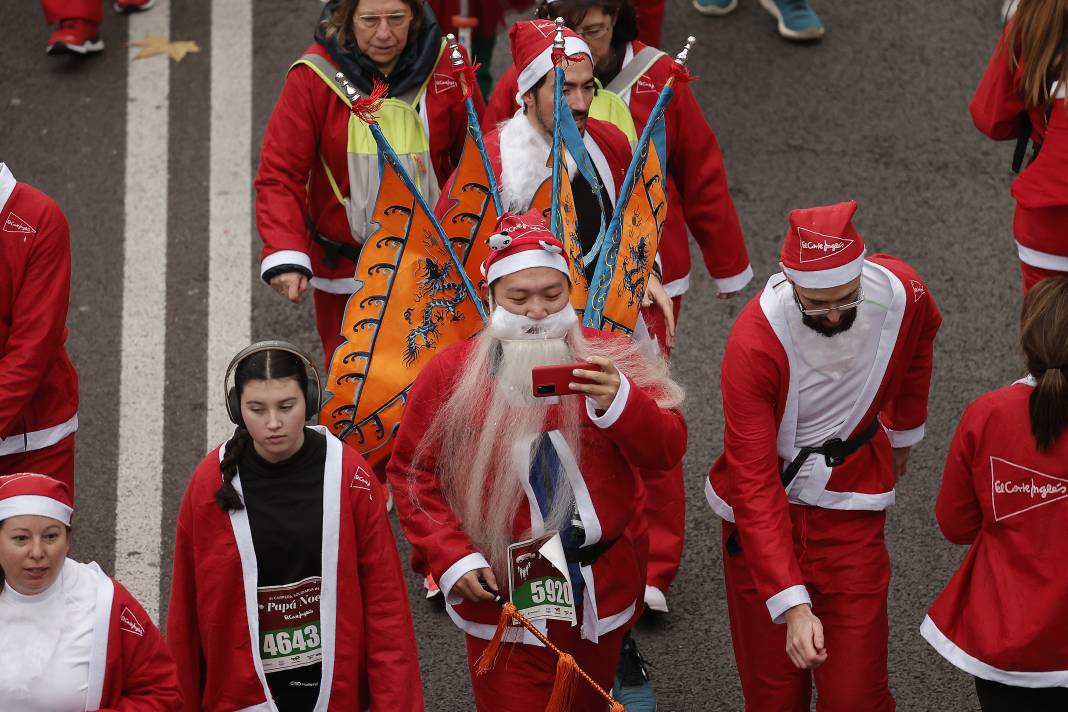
(996, 697)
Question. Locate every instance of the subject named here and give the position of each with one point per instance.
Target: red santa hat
(28, 493)
(822, 248)
(532, 51)
(522, 242)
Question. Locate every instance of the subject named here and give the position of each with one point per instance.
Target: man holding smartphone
(486, 463)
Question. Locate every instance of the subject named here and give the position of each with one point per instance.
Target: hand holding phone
(551, 381)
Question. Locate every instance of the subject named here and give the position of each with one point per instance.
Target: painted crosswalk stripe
(139, 487)
(230, 181)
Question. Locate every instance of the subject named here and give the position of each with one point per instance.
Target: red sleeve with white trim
(749, 382)
(648, 436)
(997, 105)
(38, 326)
(696, 165)
(905, 413)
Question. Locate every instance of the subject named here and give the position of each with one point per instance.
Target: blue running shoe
(796, 19)
(632, 686)
(715, 8)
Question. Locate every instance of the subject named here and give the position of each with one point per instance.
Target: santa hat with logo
(522, 242)
(822, 248)
(532, 51)
(27, 493)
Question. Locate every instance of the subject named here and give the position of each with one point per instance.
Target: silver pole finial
(682, 57)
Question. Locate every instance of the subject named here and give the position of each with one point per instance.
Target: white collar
(7, 185)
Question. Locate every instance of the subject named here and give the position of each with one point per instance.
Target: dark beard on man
(822, 329)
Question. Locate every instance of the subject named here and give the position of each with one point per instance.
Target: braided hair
(261, 366)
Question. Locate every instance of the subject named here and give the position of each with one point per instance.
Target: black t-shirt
(284, 502)
(589, 215)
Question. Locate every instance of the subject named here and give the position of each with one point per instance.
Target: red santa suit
(38, 383)
(307, 134)
(1041, 190)
(699, 200)
(633, 434)
(1009, 502)
(109, 655)
(369, 657)
(819, 541)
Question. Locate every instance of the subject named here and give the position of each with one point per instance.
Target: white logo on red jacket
(816, 246)
(918, 290)
(645, 85)
(128, 622)
(16, 224)
(443, 83)
(1016, 489)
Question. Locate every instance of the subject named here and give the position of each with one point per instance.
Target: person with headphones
(283, 543)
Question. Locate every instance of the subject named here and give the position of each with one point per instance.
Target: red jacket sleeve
(149, 675)
(648, 436)
(38, 318)
(958, 511)
(997, 104)
(696, 165)
(906, 412)
(750, 387)
(392, 657)
(183, 632)
(429, 523)
(290, 150)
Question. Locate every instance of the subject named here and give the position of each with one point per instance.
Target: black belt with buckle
(834, 451)
(333, 248)
(587, 555)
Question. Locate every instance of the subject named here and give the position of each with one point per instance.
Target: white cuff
(786, 599)
(454, 572)
(904, 438)
(728, 285)
(615, 410)
(286, 257)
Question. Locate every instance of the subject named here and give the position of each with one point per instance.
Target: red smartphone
(553, 380)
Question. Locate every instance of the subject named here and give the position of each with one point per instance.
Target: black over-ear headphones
(313, 387)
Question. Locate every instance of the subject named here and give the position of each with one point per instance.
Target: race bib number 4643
(289, 625)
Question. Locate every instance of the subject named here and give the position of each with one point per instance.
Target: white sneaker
(655, 599)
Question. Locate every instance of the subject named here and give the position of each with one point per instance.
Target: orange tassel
(617, 707)
(489, 655)
(564, 685)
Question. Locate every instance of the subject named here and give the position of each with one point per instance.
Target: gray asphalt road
(877, 112)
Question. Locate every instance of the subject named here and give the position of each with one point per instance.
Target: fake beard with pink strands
(479, 443)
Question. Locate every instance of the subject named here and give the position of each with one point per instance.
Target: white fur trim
(729, 285)
(471, 562)
(610, 416)
(973, 666)
(905, 438)
(7, 185)
(285, 257)
(38, 439)
(824, 278)
(1042, 260)
(343, 285)
(717, 503)
(543, 64)
(786, 599)
(655, 599)
(98, 656)
(677, 287)
(35, 505)
(526, 259)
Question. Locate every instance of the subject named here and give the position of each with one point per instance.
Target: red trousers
(56, 461)
(329, 314)
(665, 500)
(846, 568)
(56, 10)
(522, 679)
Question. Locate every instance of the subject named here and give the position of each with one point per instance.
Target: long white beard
(29, 640)
(524, 163)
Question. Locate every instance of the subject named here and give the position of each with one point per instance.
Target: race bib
(289, 625)
(539, 580)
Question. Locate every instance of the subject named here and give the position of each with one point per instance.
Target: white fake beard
(524, 163)
(482, 470)
(28, 645)
(506, 326)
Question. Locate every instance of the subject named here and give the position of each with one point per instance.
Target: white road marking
(144, 309)
(230, 202)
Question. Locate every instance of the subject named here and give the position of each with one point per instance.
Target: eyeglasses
(394, 20)
(858, 299)
(595, 32)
